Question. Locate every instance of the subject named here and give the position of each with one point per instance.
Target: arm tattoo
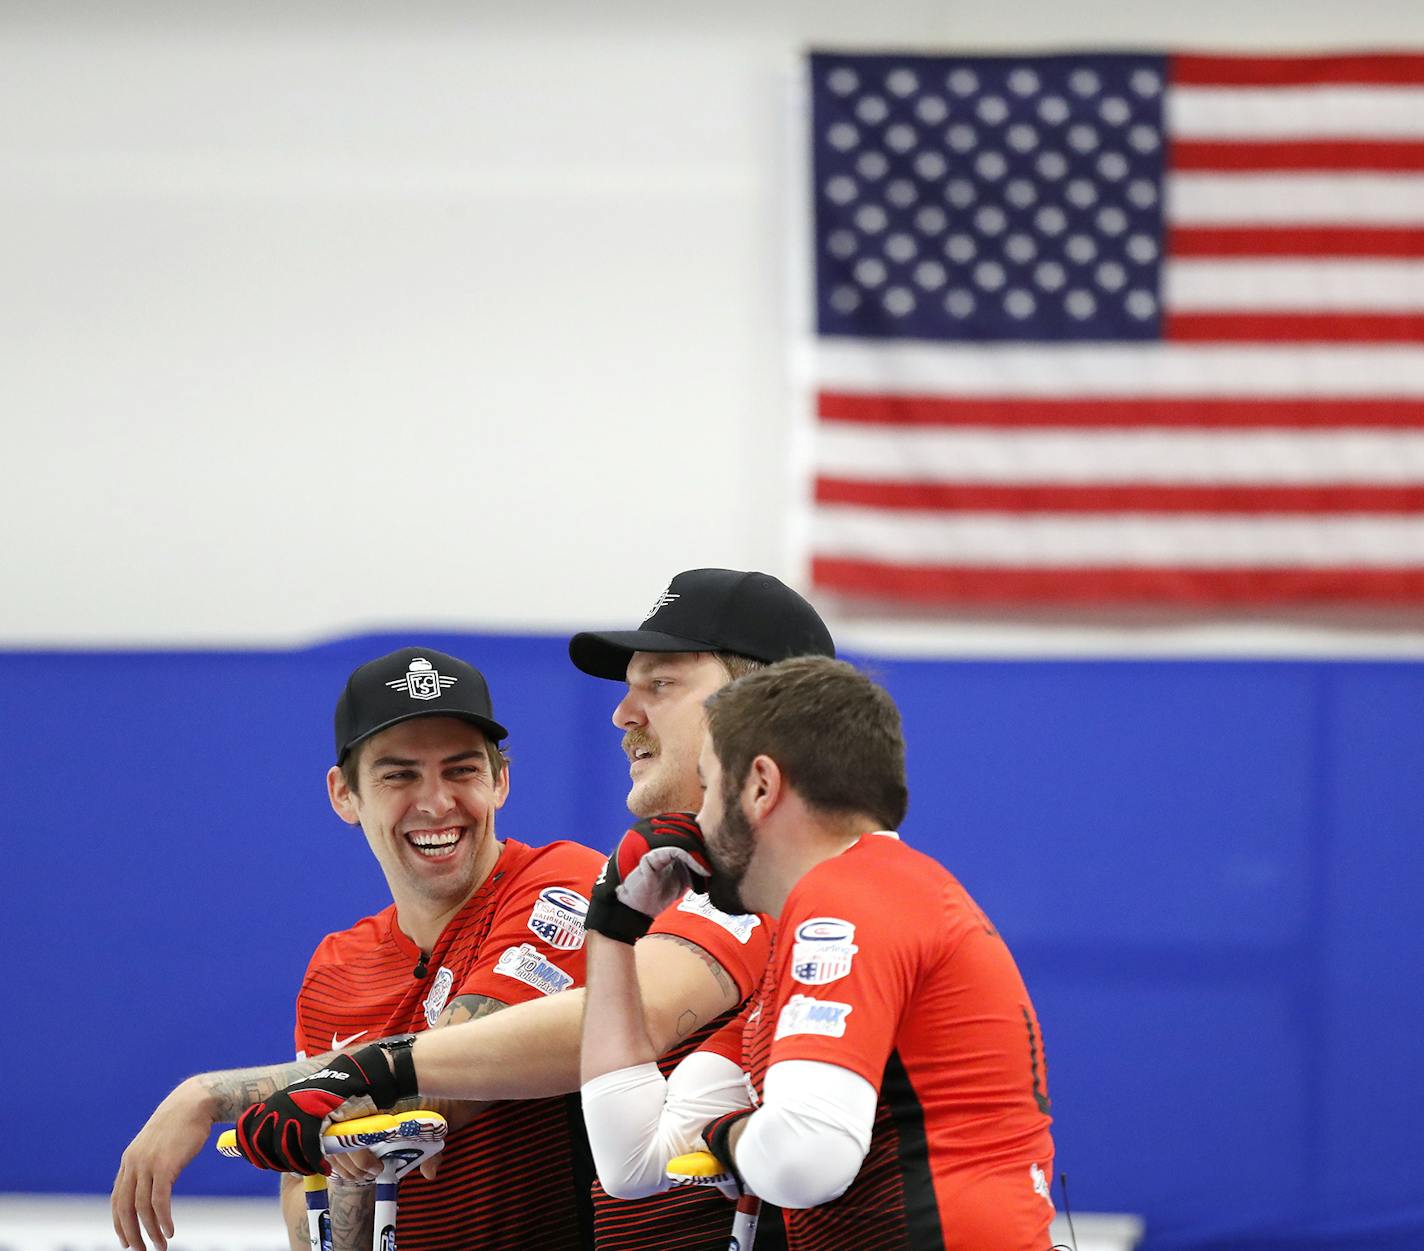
(468, 1008)
(459, 1010)
(688, 1021)
(353, 1212)
(233, 1089)
(297, 1236)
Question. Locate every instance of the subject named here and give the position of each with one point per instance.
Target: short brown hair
(834, 733)
(351, 766)
(737, 665)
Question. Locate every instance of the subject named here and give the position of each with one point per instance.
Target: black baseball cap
(409, 683)
(712, 610)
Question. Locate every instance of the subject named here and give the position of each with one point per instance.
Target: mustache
(638, 740)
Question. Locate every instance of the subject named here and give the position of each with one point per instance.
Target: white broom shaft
(744, 1224)
(383, 1228)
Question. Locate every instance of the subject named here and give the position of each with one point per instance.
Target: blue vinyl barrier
(1209, 871)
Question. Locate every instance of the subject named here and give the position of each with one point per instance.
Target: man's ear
(765, 787)
(501, 786)
(343, 801)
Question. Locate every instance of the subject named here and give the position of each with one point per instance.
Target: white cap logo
(662, 601)
(422, 680)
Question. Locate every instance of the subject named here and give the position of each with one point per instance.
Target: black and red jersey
(516, 1177)
(885, 966)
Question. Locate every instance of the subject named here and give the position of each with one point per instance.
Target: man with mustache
(888, 1088)
(697, 968)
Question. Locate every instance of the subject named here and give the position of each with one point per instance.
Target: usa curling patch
(823, 951)
(558, 917)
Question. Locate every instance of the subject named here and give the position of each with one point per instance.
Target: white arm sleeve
(637, 1121)
(807, 1141)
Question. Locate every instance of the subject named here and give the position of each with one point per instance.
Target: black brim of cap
(493, 730)
(605, 654)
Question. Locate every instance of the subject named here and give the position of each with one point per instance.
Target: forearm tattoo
(353, 1212)
(235, 1089)
(298, 1238)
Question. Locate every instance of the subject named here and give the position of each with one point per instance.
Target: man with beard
(890, 1090)
(697, 967)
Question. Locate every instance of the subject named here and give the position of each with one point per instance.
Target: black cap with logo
(712, 610)
(409, 683)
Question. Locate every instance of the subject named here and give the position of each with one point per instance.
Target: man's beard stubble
(734, 853)
(652, 794)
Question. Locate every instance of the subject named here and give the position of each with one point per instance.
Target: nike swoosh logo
(340, 1044)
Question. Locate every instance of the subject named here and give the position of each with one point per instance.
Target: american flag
(1110, 328)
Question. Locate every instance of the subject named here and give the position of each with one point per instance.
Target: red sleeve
(535, 941)
(740, 944)
(846, 969)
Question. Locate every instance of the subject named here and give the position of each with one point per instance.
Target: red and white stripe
(1270, 450)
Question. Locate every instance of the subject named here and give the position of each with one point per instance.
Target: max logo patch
(525, 964)
(823, 951)
(804, 1015)
(739, 927)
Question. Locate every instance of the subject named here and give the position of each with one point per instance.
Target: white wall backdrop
(323, 317)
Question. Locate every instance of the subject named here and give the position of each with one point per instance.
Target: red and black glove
(283, 1132)
(717, 1134)
(653, 864)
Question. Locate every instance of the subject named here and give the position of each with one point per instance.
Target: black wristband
(717, 1134)
(402, 1054)
(388, 1069)
(614, 919)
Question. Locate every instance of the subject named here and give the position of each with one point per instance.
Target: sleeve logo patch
(823, 951)
(434, 1003)
(804, 1015)
(739, 927)
(525, 964)
(558, 917)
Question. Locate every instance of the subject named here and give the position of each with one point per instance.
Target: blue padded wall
(1209, 872)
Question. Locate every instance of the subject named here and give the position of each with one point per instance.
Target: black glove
(717, 1134)
(654, 863)
(283, 1132)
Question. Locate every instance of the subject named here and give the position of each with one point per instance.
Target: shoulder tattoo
(724, 979)
(468, 1008)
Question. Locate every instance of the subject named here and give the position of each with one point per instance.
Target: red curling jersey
(690, 1218)
(517, 1176)
(885, 966)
